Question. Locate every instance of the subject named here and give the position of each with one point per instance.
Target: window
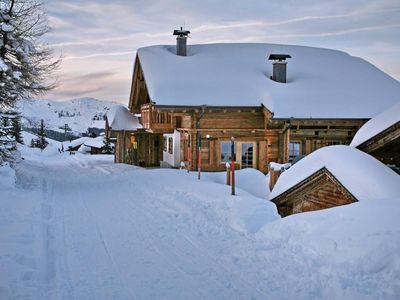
(247, 155)
(170, 145)
(226, 155)
(165, 144)
(294, 150)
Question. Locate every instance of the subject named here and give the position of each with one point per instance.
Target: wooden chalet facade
(319, 191)
(259, 137)
(189, 113)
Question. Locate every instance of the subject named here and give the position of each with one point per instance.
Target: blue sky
(98, 39)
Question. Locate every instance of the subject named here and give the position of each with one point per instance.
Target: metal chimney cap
(279, 57)
(181, 32)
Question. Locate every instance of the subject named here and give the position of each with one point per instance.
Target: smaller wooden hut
(124, 130)
(333, 176)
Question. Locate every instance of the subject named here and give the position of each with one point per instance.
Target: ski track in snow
(105, 231)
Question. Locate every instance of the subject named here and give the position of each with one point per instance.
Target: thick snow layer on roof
(119, 118)
(377, 124)
(321, 82)
(97, 142)
(75, 143)
(361, 174)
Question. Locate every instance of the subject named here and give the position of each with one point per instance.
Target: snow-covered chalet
(333, 176)
(275, 102)
(380, 137)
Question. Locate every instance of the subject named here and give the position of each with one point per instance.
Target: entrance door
(247, 155)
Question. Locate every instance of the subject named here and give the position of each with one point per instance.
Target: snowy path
(83, 229)
(103, 235)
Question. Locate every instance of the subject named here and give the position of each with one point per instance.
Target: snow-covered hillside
(81, 227)
(79, 114)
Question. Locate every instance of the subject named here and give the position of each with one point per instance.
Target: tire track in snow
(54, 266)
(217, 272)
(104, 277)
(103, 242)
(47, 256)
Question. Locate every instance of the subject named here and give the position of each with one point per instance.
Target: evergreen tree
(41, 140)
(16, 129)
(6, 144)
(24, 61)
(107, 149)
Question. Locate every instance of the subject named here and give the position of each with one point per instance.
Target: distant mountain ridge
(78, 114)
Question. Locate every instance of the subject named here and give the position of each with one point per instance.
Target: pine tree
(24, 62)
(6, 143)
(41, 140)
(16, 129)
(107, 149)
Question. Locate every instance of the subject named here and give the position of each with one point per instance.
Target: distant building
(193, 102)
(94, 145)
(333, 176)
(75, 144)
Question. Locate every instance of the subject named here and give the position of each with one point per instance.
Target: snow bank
(49, 153)
(376, 125)
(346, 252)
(119, 118)
(320, 81)
(7, 177)
(250, 180)
(361, 174)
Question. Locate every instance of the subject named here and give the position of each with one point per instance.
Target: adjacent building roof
(75, 143)
(119, 118)
(321, 83)
(362, 175)
(377, 125)
(97, 142)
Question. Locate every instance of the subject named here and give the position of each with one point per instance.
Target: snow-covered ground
(81, 227)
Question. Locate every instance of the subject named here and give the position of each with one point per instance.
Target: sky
(98, 39)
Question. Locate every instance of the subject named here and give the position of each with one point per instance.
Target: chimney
(181, 48)
(279, 67)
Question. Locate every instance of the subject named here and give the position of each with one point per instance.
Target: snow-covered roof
(322, 83)
(75, 143)
(119, 118)
(377, 124)
(361, 174)
(97, 142)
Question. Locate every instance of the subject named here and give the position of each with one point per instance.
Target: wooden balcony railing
(154, 119)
